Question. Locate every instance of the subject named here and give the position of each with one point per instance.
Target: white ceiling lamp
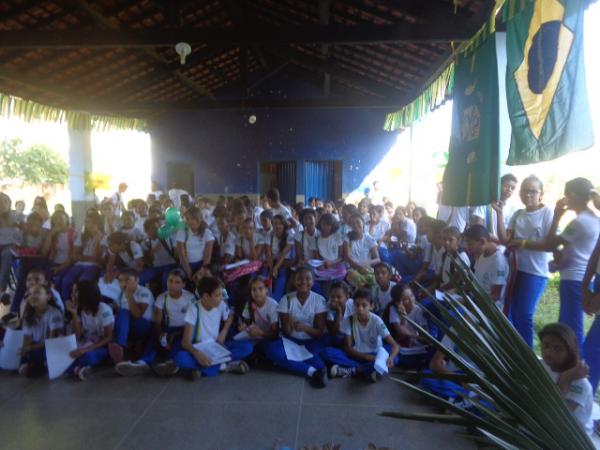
(183, 49)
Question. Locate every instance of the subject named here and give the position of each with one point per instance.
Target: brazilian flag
(545, 81)
(471, 175)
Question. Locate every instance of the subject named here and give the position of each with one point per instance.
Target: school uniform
(378, 231)
(282, 210)
(30, 248)
(579, 392)
(39, 330)
(365, 339)
(226, 244)
(580, 236)
(492, 270)
(9, 236)
(173, 313)
(163, 260)
(125, 325)
(264, 318)
(532, 275)
(92, 328)
(244, 243)
(448, 268)
(338, 340)
(81, 270)
(308, 242)
(207, 325)
(329, 250)
(60, 253)
(381, 298)
(194, 245)
(280, 282)
(135, 234)
(591, 345)
(407, 264)
(360, 249)
(419, 316)
(305, 313)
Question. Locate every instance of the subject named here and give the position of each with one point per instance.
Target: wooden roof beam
(454, 29)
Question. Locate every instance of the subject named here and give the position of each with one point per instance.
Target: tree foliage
(37, 164)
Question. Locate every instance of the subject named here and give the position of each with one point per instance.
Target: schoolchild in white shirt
(92, 322)
(360, 253)
(160, 254)
(451, 237)
(279, 255)
(123, 253)
(133, 314)
(382, 290)
(195, 245)
(340, 307)
(491, 267)
(58, 247)
(128, 227)
(208, 319)
(259, 317)
(302, 315)
(330, 250)
(249, 244)
(306, 239)
(168, 315)
(378, 229)
(225, 241)
(364, 333)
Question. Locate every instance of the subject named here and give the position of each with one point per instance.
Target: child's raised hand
(581, 370)
(497, 206)
(561, 206)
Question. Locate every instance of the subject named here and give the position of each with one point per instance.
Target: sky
(125, 155)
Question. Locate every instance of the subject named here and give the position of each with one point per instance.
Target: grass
(547, 311)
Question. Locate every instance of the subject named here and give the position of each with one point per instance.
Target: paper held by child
(295, 352)
(58, 354)
(214, 351)
(381, 361)
(9, 353)
(234, 265)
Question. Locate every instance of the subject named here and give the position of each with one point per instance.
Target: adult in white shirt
(117, 199)
(527, 233)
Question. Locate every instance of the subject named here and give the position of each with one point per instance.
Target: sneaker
(116, 352)
(24, 369)
(84, 372)
(340, 372)
(132, 368)
(166, 368)
(373, 377)
(239, 367)
(319, 378)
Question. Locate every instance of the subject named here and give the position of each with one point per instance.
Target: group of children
(335, 280)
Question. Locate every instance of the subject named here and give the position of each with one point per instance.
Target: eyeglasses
(530, 192)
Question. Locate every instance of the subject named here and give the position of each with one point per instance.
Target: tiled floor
(262, 410)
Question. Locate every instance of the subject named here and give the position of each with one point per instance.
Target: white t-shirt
(435, 258)
(175, 196)
(532, 226)
(309, 243)
(455, 216)
(129, 259)
(360, 249)
(447, 266)
(60, 248)
(283, 211)
(227, 245)
(492, 271)
(314, 304)
(245, 243)
(135, 234)
(378, 230)
(87, 249)
(381, 298)
(348, 311)
(92, 326)
(142, 296)
(580, 235)
(195, 243)
(274, 242)
(265, 316)
(367, 338)
(580, 392)
(175, 311)
(161, 257)
(329, 247)
(417, 315)
(51, 320)
(209, 325)
(256, 216)
(410, 228)
(491, 218)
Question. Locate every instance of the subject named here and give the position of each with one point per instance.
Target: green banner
(545, 82)
(471, 176)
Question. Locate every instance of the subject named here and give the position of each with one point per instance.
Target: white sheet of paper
(214, 351)
(57, 354)
(381, 361)
(416, 350)
(9, 356)
(241, 336)
(295, 352)
(243, 262)
(441, 296)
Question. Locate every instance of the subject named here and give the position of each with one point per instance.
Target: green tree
(37, 164)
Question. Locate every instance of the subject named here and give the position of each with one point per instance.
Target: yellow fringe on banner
(29, 111)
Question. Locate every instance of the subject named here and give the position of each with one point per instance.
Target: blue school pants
(126, 326)
(58, 278)
(152, 348)
(443, 388)
(333, 355)
(527, 293)
(276, 354)
(77, 272)
(93, 358)
(571, 312)
(239, 350)
(280, 283)
(404, 263)
(591, 345)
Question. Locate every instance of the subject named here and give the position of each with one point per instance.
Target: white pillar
(80, 164)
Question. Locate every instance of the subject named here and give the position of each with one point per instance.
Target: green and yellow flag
(545, 81)
(471, 175)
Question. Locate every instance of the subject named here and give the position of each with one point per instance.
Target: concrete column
(80, 163)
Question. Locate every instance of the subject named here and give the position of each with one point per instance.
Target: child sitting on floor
(208, 319)
(364, 333)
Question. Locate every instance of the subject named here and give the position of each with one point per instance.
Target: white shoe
(132, 368)
(84, 372)
(239, 367)
(340, 372)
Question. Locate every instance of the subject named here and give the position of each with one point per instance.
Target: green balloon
(165, 231)
(172, 217)
(181, 225)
